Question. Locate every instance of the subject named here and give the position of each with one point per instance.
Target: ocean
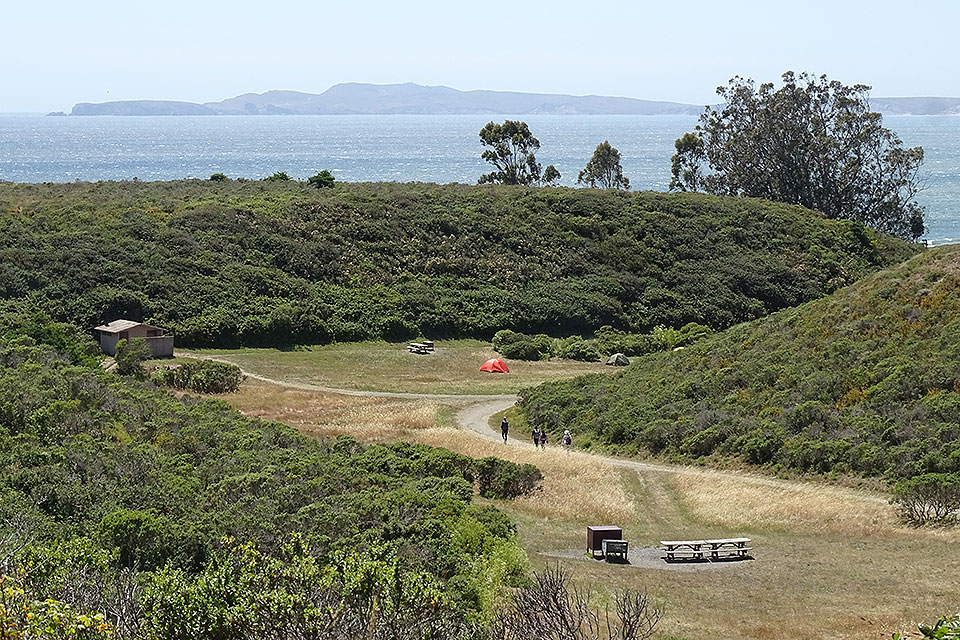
(398, 148)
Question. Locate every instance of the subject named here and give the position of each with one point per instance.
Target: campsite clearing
(831, 562)
(454, 367)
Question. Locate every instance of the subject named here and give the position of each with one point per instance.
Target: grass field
(831, 562)
(384, 366)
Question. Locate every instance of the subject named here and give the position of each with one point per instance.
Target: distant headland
(409, 98)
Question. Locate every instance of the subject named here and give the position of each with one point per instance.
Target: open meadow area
(454, 368)
(830, 562)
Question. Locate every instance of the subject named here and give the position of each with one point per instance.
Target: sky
(54, 53)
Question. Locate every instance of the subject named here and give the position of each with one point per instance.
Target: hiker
(567, 440)
(543, 439)
(536, 437)
(504, 427)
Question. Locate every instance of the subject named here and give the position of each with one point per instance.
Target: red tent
(495, 365)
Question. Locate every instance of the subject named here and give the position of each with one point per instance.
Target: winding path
(474, 415)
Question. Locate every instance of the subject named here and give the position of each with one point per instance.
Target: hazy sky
(55, 53)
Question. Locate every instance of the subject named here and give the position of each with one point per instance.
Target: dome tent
(618, 360)
(495, 365)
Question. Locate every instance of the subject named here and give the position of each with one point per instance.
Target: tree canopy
(512, 154)
(812, 142)
(604, 169)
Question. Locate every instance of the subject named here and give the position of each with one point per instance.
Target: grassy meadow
(454, 368)
(831, 562)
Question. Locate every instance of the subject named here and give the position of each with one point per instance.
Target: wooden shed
(161, 344)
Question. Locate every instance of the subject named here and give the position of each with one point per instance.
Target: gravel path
(474, 415)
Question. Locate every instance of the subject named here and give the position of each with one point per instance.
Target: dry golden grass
(830, 562)
(576, 487)
(329, 414)
(570, 480)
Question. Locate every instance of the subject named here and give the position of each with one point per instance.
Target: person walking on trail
(567, 440)
(536, 437)
(504, 428)
(543, 439)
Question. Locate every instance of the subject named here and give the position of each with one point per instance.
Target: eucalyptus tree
(512, 155)
(812, 142)
(604, 169)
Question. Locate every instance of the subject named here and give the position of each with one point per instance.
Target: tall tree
(812, 142)
(604, 169)
(512, 154)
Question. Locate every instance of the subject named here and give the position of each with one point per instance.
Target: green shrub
(322, 180)
(576, 348)
(279, 176)
(130, 356)
(219, 177)
(931, 498)
(498, 478)
(202, 376)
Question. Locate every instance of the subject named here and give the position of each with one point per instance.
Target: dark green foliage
(610, 340)
(322, 180)
(202, 376)
(277, 263)
(279, 176)
(865, 381)
(137, 537)
(519, 346)
(812, 142)
(219, 177)
(498, 478)
(576, 348)
(131, 355)
(100, 475)
(932, 498)
(604, 170)
(513, 155)
(944, 629)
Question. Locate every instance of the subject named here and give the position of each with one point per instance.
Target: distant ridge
(409, 98)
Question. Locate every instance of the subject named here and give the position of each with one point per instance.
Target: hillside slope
(278, 263)
(866, 380)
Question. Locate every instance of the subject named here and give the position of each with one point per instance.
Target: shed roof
(121, 325)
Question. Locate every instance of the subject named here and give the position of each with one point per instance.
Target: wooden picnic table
(714, 549)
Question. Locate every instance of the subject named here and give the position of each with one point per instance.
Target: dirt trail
(475, 412)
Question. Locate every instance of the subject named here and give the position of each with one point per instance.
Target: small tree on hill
(279, 176)
(932, 498)
(604, 169)
(813, 142)
(130, 355)
(512, 154)
(322, 180)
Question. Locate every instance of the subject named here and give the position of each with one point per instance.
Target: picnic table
(421, 348)
(705, 549)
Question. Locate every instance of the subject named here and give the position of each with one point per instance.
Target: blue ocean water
(393, 148)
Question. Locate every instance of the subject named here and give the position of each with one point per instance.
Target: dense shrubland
(607, 341)
(202, 376)
(277, 262)
(180, 518)
(865, 381)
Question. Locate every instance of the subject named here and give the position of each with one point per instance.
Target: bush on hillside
(931, 498)
(576, 348)
(520, 346)
(498, 478)
(202, 376)
(863, 382)
(131, 355)
(272, 263)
